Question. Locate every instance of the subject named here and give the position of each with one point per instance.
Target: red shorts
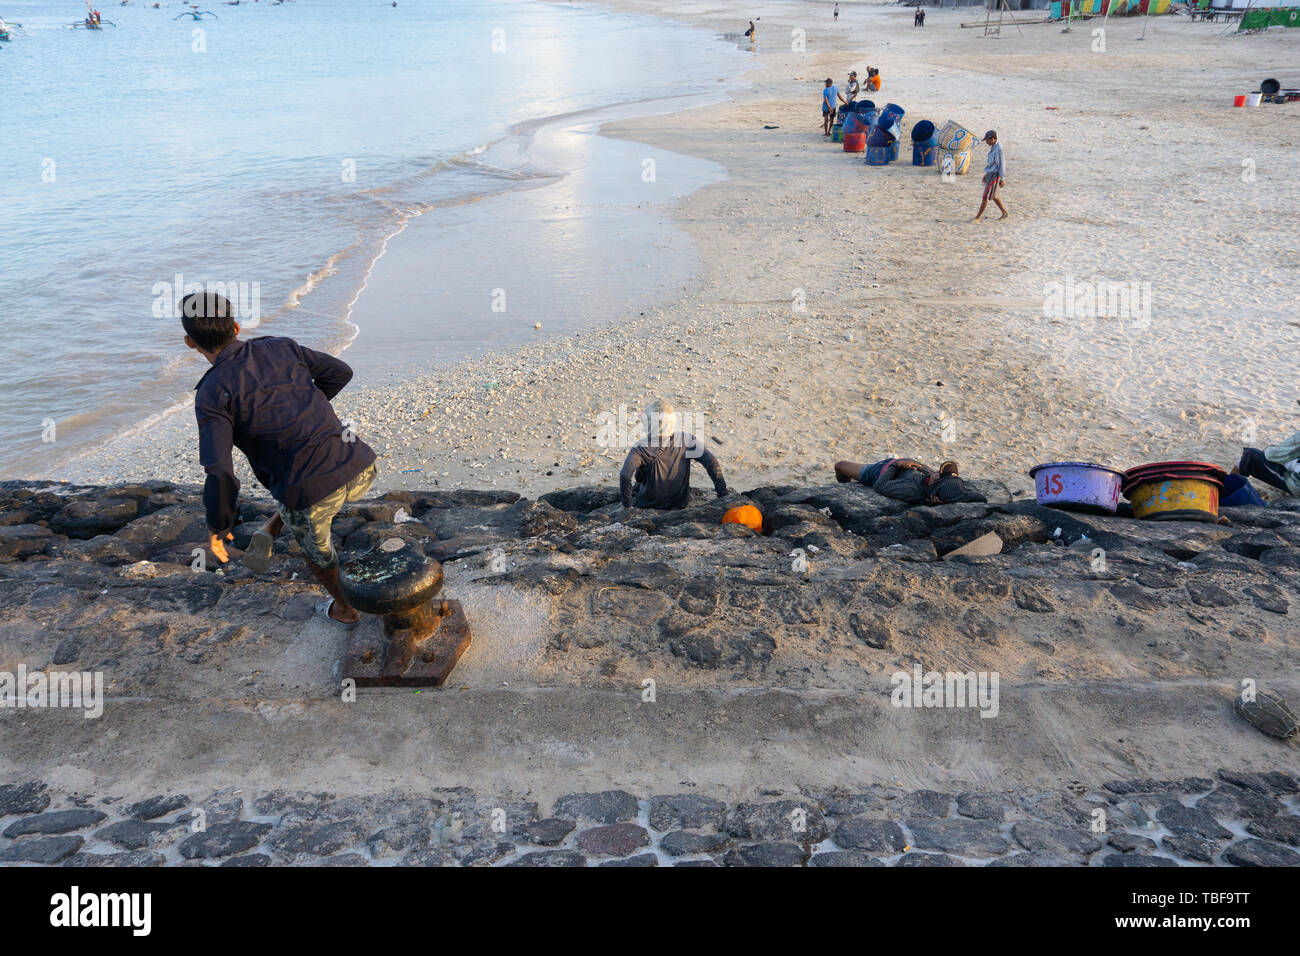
(990, 186)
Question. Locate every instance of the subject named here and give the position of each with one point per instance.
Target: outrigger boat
(196, 13)
(93, 20)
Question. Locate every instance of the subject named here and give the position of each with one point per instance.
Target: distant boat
(196, 13)
(93, 20)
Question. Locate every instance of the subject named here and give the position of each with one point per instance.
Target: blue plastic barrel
(853, 123)
(863, 105)
(879, 136)
(893, 150)
(877, 156)
(925, 152)
(893, 110)
(922, 131)
(871, 117)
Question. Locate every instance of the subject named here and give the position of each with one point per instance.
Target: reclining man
(909, 481)
(270, 398)
(1277, 465)
(657, 471)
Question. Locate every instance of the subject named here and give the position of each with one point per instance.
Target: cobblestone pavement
(1236, 818)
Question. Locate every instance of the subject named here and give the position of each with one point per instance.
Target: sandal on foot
(257, 556)
(323, 609)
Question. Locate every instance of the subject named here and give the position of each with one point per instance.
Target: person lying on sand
(909, 481)
(1277, 465)
(657, 472)
(270, 398)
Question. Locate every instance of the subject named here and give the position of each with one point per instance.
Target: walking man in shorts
(270, 398)
(994, 170)
(831, 100)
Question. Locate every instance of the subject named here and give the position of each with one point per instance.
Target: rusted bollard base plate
(431, 660)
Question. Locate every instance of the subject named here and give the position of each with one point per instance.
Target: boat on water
(11, 29)
(195, 13)
(93, 20)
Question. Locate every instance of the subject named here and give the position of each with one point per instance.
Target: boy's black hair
(209, 319)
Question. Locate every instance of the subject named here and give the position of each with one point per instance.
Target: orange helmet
(747, 515)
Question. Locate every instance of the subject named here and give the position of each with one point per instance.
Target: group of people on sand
(995, 169)
(271, 398)
(833, 98)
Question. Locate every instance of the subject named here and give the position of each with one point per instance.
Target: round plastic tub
(1176, 499)
(855, 142)
(1077, 486)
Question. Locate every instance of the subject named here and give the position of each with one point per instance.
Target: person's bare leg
(1000, 206)
(257, 557)
(340, 610)
(847, 471)
(983, 205)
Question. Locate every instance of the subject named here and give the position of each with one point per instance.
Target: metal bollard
(421, 637)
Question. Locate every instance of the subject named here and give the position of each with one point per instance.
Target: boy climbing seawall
(270, 398)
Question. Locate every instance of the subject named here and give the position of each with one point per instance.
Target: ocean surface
(279, 150)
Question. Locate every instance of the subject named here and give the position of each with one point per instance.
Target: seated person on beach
(909, 481)
(270, 398)
(873, 79)
(851, 88)
(657, 472)
(1277, 465)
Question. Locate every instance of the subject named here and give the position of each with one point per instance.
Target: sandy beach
(1128, 166)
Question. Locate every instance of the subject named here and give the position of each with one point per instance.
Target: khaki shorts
(310, 527)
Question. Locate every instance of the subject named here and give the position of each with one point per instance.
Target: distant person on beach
(831, 100)
(750, 32)
(851, 88)
(657, 472)
(909, 481)
(1277, 465)
(837, 11)
(919, 19)
(270, 398)
(994, 170)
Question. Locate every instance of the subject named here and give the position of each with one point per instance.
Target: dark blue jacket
(270, 398)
